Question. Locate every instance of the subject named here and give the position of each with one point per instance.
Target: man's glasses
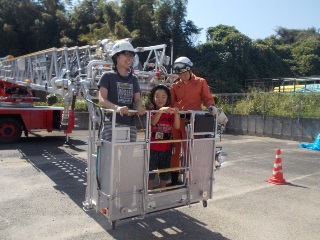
(129, 54)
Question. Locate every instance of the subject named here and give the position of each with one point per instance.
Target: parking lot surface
(43, 184)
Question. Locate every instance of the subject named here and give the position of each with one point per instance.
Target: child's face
(160, 98)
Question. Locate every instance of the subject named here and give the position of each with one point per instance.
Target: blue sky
(254, 18)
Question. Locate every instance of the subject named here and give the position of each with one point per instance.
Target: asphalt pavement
(43, 184)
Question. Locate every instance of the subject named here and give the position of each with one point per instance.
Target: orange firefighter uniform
(188, 96)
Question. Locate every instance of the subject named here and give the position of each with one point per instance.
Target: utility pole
(171, 58)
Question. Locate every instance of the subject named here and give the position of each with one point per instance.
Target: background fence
(295, 105)
(293, 116)
(280, 115)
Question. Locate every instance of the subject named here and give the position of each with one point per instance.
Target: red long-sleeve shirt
(190, 96)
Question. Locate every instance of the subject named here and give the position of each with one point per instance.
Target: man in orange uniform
(188, 93)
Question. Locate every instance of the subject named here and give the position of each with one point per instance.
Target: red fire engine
(18, 114)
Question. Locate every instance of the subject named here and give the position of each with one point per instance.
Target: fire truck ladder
(74, 72)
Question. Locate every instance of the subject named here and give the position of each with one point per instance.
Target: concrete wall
(302, 129)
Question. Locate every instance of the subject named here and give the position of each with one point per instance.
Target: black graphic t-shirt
(121, 92)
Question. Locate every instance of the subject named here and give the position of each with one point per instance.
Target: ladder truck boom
(70, 73)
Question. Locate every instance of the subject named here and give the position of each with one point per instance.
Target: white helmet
(121, 46)
(181, 65)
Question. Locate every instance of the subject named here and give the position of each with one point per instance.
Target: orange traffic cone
(277, 175)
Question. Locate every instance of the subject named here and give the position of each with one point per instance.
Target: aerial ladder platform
(117, 169)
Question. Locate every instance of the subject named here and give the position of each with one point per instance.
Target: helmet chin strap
(122, 77)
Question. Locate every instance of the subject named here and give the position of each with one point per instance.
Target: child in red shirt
(161, 129)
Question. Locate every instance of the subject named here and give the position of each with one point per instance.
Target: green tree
(310, 65)
(266, 61)
(84, 19)
(143, 18)
(219, 32)
(289, 36)
(127, 11)
(29, 26)
(17, 20)
(111, 15)
(47, 31)
(171, 24)
(231, 65)
(306, 54)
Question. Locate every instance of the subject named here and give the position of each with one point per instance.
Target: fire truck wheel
(10, 130)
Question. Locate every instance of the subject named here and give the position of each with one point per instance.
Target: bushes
(303, 105)
(53, 100)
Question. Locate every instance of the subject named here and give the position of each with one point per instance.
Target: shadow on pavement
(295, 185)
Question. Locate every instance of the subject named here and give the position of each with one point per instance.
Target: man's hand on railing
(222, 118)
